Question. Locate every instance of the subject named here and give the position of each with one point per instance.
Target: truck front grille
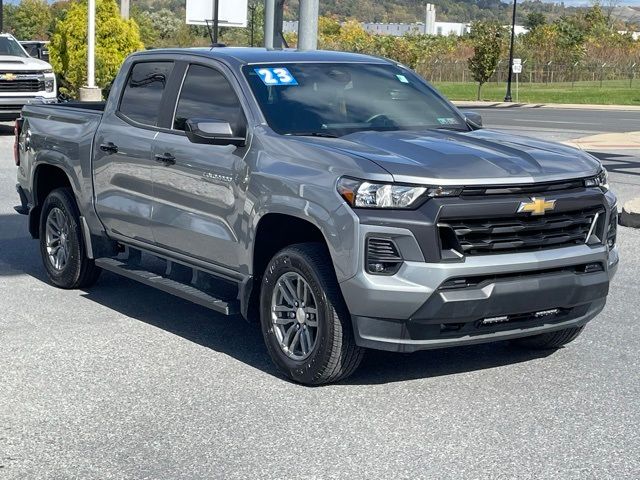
(483, 236)
(29, 85)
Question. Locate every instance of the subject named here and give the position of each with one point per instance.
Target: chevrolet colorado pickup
(23, 79)
(337, 199)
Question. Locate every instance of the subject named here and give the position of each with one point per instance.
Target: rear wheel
(61, 243)
(549, 341)
(305, 322)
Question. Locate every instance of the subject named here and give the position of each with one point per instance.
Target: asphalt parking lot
(125, 382)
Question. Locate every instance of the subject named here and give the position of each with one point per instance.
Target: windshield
(10, 46)
(336, 99)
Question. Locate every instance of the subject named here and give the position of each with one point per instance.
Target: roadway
(122, 381)
(557, 124)
(563, 121)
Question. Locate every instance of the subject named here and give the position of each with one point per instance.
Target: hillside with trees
(409, 11)
(563, 44)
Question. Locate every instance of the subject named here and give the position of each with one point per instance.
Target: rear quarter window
(142, 96)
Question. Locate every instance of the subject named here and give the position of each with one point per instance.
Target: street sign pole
(516, 68)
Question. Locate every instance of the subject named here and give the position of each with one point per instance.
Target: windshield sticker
(276, 76)
(447, 121)
(402, 78)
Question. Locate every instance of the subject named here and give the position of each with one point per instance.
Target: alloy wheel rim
(294, 316)
(57, 238)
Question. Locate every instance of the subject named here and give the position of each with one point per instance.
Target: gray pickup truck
(337, 199)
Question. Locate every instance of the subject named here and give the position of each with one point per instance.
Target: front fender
(338, 227)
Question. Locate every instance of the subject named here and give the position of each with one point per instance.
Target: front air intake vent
(382, 256)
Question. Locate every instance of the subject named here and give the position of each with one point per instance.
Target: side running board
(168, 285)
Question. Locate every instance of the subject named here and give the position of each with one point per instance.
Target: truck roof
(251, 55)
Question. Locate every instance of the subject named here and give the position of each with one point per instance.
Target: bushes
(115, 39)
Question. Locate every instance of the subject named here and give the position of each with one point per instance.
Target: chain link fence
(550, 72)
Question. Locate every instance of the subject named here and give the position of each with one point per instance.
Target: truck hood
(481, 157)
(9, 63)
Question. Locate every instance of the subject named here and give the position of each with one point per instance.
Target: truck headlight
(601, 180)
(364, 194)
(49, 82)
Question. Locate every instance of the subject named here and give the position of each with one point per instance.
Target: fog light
(382, 256)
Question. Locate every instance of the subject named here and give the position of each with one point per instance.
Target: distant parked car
(37, 49)
(23, 79)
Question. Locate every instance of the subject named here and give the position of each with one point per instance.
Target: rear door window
(142, 95)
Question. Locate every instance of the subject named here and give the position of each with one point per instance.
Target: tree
(115, 39)
(487, 39)
(148, 33)
(165, 23)
(30, 20)
(535, 20)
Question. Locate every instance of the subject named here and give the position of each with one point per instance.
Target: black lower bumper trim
(399, 336)
(491, 310)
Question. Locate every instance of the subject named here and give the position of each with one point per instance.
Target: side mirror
(474, 119)
(213, 132)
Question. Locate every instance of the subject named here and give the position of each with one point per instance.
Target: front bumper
(482, 298)
(11, 107)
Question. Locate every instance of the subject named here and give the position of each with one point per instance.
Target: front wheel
(305, 322)
(61, 242)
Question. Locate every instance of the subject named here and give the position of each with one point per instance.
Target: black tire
(549, 341)
(78, 271)
(334, 355)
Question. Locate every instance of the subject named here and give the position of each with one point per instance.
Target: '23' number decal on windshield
(276, 76)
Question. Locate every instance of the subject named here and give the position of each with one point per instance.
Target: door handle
(166, 158)
(109, 147)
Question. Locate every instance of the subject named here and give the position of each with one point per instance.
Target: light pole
(507, 97)
(308, 25)
(90, 92)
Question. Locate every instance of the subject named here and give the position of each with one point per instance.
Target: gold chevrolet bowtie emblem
(537, 206)
(9, 76)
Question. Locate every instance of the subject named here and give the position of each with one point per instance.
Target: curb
(567, 106)
(630, 215)
(615, 141)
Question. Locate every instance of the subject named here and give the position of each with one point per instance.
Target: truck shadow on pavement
(619, 163)
(233, 336)
(19, 253)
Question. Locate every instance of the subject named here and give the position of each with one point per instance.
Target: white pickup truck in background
(23, 79)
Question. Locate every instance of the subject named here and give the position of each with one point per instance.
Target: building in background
(429, 27)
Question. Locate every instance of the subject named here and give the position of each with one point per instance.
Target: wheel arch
(46, 178)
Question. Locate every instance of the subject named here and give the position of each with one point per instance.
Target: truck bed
(63, 134)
